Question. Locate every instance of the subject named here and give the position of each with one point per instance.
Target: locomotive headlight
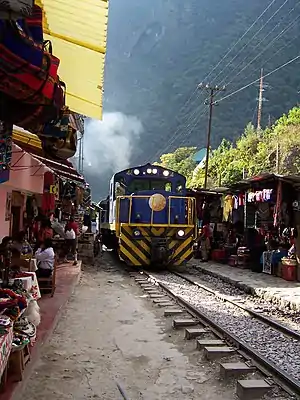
(166, 173)
(154, 171)
(149, 171)
(136, 233)
(180, 233)
(136, 171)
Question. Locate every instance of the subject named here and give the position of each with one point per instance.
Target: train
(147, 217)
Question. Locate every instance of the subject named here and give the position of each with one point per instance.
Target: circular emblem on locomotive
(157, 202)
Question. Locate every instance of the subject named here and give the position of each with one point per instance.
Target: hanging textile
(277, 209)
(15, 9)
(5, 150)
(227, 207)
(48, 198)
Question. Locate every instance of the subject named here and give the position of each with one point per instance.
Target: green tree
(181, 161)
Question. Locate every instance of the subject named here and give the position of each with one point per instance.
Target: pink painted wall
(26, 175)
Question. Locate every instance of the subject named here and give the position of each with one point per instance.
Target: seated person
(20, 243)
(17, 263)
(6, 242)
(45, 258)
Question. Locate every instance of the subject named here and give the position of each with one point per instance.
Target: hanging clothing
(227, 207)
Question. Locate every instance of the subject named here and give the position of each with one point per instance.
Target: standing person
(205, 245)
(45, 258)
(46, 231)
(72, 226)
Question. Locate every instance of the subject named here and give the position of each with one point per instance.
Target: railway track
(268, 346)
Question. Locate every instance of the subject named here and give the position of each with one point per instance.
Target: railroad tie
(235, 369)
(193, 333)
(252, 389)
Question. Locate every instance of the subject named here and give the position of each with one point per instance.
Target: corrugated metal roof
(78, 32)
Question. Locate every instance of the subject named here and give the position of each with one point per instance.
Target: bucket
(289, 272)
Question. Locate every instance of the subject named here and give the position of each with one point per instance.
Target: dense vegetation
(275, 149)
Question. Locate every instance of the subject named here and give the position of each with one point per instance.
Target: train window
(161, 185)
(138, 185)
(179, 187)
(120, 189)
(168, 187)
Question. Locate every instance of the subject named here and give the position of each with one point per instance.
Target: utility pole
(212, 90)
(260, 99)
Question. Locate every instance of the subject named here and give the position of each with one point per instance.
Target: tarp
(78, 32)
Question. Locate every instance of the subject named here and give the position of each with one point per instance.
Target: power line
(177, 133)
(257, 32)
(227, 53)
(234, 76)
(240, 39)
(257, 80)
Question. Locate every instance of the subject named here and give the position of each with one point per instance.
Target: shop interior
(254, 224)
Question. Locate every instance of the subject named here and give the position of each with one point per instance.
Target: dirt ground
(111, 335)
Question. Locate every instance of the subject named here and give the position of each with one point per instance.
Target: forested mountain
(159, 50)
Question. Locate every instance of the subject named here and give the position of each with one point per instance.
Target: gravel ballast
(275, 346)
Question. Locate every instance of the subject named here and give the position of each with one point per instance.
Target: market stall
(264, 212)
(19, 315)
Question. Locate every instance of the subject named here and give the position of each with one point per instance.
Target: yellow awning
(25, 137)
(78, 30)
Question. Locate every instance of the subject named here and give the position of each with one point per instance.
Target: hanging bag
(33, 117)
(59, 138)
(15, 38)
(14, 9)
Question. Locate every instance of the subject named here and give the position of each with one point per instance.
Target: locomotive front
(154, 221)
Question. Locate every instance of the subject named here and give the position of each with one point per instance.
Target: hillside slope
(158, 51)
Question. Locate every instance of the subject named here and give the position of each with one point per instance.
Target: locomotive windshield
(138, 185)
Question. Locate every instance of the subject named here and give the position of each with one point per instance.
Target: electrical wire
(271, 43)
(253, 37)
(240, 39)
(223, 58)
(286, 45)
(177, 133)
(257, 80)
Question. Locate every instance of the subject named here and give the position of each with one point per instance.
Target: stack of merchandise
(32, 95)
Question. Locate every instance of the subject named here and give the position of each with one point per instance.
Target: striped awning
(78, 32)
(31, 144)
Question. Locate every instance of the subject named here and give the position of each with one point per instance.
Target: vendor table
(31, 285)
(5, 349)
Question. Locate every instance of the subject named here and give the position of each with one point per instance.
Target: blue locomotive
(148, 218)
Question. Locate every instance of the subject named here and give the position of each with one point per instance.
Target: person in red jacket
(72, 243)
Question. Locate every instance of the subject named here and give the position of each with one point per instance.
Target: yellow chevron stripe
(157, 231)
(184, 257)
(126, 228)
(184, 244)
(144, 232)
(134, 249)
(144, 245)
(129, 255)
(172, 232)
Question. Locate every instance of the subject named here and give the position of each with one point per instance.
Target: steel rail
(265, 366)
(268, 321)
